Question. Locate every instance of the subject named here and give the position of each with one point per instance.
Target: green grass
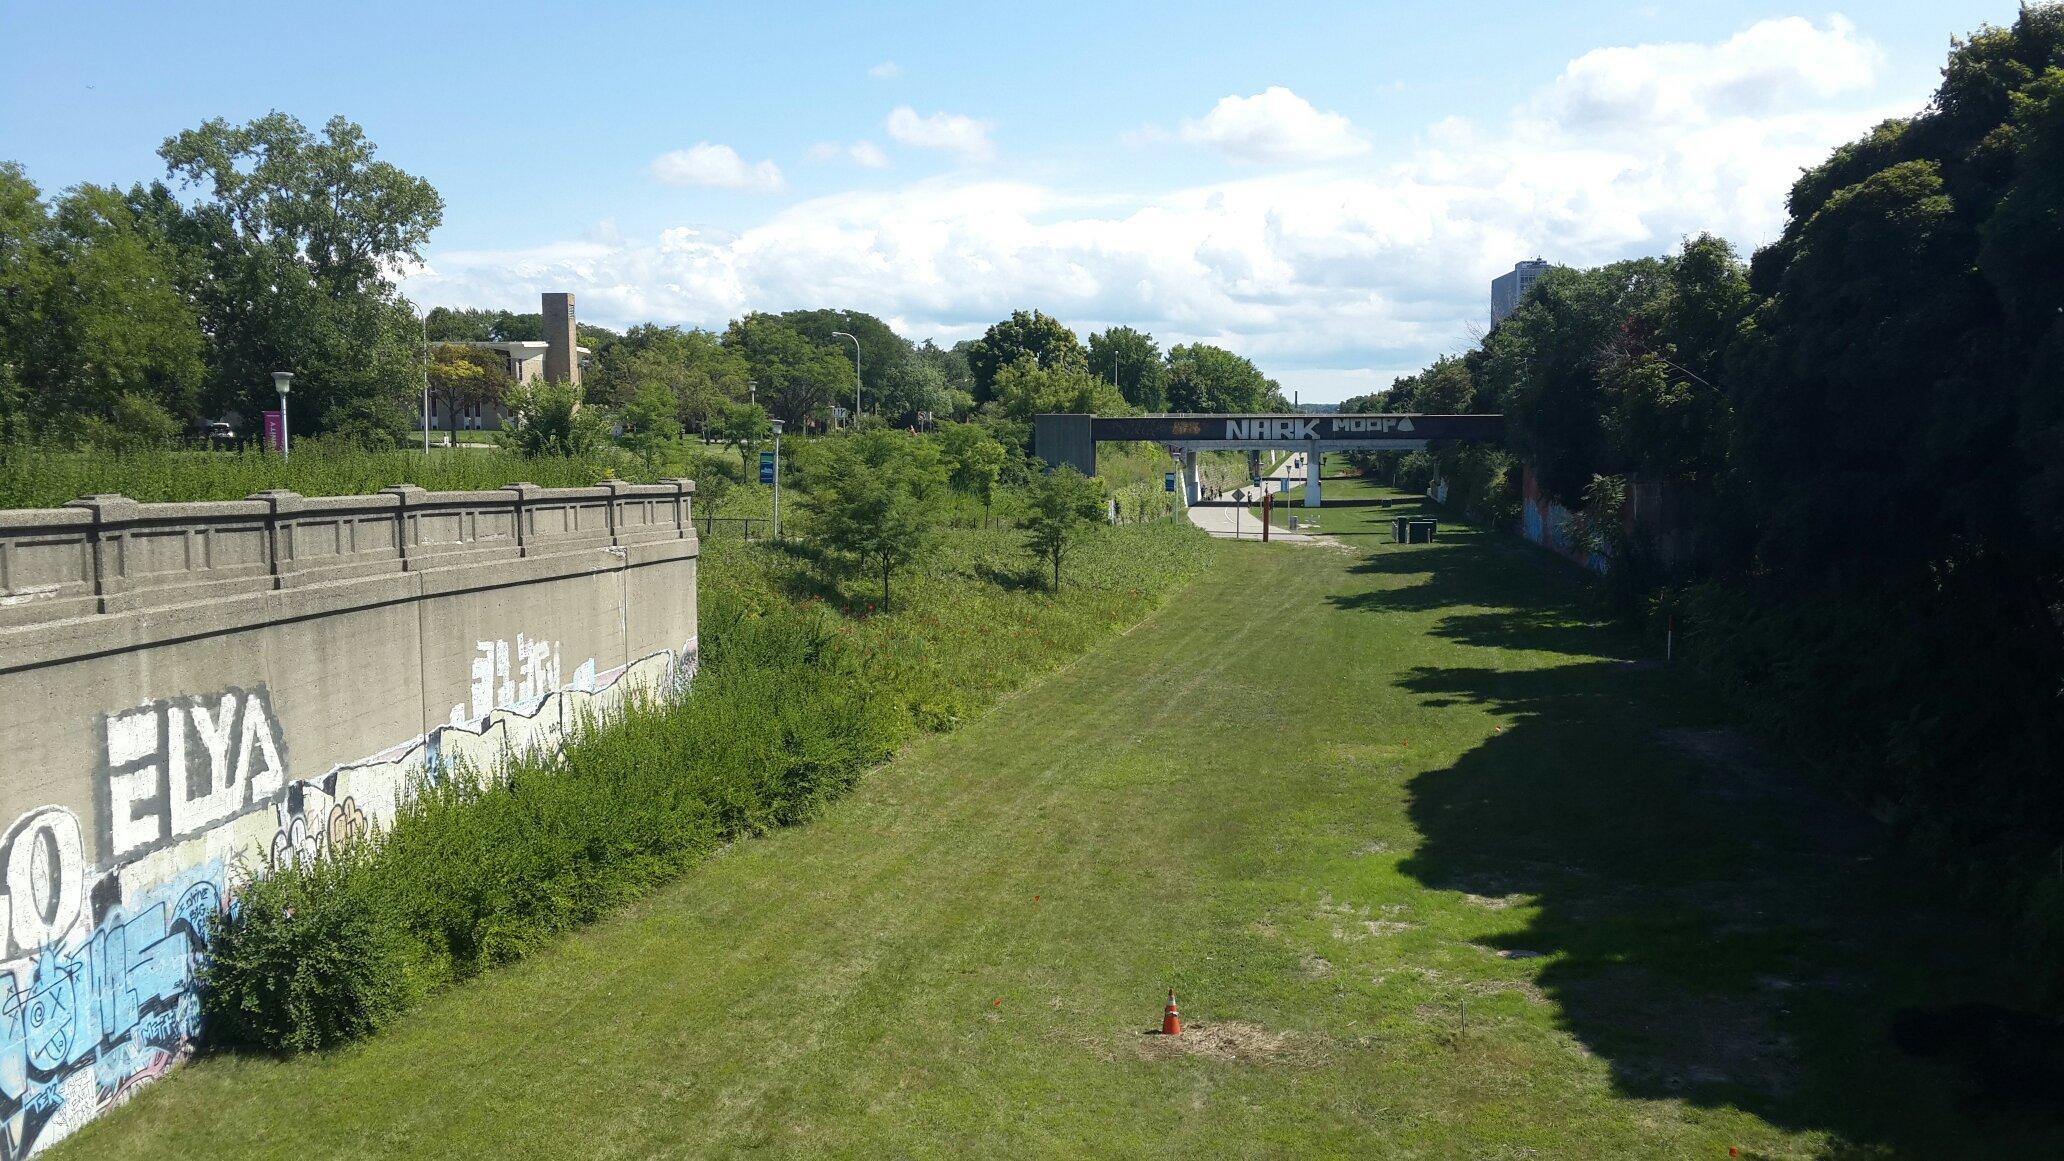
(1317, 794)
(439, 435)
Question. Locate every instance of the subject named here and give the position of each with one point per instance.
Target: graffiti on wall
(96, 997)
(96, 990)
(1547, 523)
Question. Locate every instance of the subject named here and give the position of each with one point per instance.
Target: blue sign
(766, 467)
(1168, 481)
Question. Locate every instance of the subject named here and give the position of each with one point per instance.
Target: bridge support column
(1190, 491)
(1311, 478)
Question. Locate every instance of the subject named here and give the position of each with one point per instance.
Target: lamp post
(426, 384)
(856, 373)
(777, 479)
(282, 380)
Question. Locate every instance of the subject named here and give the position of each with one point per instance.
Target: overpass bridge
(1072, 438)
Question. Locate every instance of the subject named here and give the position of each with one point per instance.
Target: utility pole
(426, 383)
(856, 373)
(777, 480)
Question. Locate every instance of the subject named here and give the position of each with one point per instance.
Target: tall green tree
(1060, 508)
(1025, 389)
(974, 460)
(1211, 379)
(648, 421)
(870, 507)
(300, 234)
(744, 426)
(1032, 335)
(462, 377)
(1130, 360)
(797, 378)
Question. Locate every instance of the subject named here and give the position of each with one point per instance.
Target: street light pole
(426, 384)
(777, 480)
(856, 373)
(281, 380)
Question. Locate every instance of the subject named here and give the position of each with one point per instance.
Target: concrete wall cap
(385, 502)
(69, 516)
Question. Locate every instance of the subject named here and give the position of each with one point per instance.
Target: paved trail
(1237, 524)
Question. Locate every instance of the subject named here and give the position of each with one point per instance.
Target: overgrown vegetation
(1839, 467)
(42, 478)
(801, 690)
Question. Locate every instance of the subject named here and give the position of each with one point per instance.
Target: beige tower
(562, 340)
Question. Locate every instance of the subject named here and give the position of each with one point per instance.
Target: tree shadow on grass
(1717, 932)
(1505, 594)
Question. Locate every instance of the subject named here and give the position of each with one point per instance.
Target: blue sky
(1327, 189)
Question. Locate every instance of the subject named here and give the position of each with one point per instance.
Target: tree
(1131, 360)
(1024, 335)
(649, 422)
(1025, 389)
(462, 377)
(1211, 379)
(298, 235)
(872, 512)
(950, 362)
(548, 419)
(917, 386)
(796, 377)
(885, 356)
(694, 366)
(1061, 506)
(743, 426)
(94, 300)
(974, 460)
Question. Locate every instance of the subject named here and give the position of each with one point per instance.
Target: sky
(1325, 188)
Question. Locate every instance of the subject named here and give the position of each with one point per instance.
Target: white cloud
(1275, 125)
(865, 154)
(961, 135)
(885, 70)
(1771, 66)
(1333, 281)
(717, 167)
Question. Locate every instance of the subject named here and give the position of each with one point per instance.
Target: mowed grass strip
(1318, 794)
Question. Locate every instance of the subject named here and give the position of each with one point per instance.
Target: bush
(793, 703)
(306, 959)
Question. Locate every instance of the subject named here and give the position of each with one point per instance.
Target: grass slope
(1318, 795)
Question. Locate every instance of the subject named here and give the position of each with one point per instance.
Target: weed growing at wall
(35, 477)
(803, 687)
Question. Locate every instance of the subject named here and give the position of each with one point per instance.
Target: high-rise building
(1508, 289)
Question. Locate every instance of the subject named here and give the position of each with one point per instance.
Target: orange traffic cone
(1171, 1020)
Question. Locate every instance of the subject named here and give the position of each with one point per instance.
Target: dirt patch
(1315, 967)
(1233, 1041)
(1493, 902)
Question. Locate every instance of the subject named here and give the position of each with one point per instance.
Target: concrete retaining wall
(1546, 522)
(193, 693)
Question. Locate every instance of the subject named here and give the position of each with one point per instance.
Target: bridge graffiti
(96, 983)
(180, 766)
(96, 996)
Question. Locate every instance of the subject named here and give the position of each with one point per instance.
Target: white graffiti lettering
(172, 772)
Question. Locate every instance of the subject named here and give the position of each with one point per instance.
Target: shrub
(793, 703)
(306, 959)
